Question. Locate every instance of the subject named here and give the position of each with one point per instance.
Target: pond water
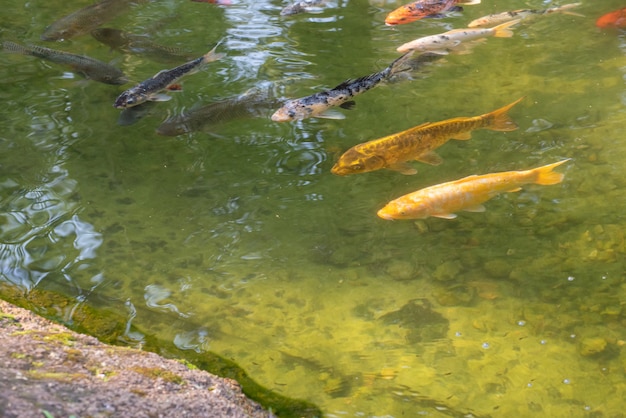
(236, 238)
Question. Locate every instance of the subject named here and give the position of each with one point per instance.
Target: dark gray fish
(132, 115)
(317, 105)
(90, 68)
(302, 6)
(149, 89)
(139, 44)
(256, 102)
(85, 20)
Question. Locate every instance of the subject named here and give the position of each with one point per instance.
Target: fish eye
(291, 113)
(357, 167)
(130, 100)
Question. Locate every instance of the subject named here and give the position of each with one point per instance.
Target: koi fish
(497, 18)
(139, 44)
(614, 19)
(85, 20)
(90, 68)
(149, 89)
(443, 42)
(255, 102)
(421, 9)
(468, 194)
(317, 105)
(219, 2)
(393, 151)
(302, 6)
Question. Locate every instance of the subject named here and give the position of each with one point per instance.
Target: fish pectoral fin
(159, 97)
(403, 168)
(462, 136)
(348, 105)
(477, 208)
(517, 189)
(330, 114)
(430, 157)
(444, 215)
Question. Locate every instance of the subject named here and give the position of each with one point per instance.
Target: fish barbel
(421, 9)
(90, 68)
(468, 194)
(149, 89)
(446, 41)
(85, 20)
(393, 151)
(497, 18)
(317, 105)
(139, 44)
(302, 6)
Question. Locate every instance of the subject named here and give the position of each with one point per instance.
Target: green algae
(99, 323)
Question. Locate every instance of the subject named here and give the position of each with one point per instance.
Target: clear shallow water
(242, 239)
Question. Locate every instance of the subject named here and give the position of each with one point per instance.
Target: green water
(237, 239)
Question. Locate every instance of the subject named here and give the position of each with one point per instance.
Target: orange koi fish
(615, 19)
(393, 151)
(420, 9)
(443, 200)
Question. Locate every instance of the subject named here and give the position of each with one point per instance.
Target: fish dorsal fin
(430, 157)
(159, 73)
(477, 208)
(462, 136)
(403, 168)
(444, 215)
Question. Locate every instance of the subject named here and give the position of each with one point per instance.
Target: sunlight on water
(236, 238)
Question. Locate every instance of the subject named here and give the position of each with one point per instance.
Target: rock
(592, 346)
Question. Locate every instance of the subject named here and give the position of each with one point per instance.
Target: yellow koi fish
(393, 151)
(443, 200)
(446, 41)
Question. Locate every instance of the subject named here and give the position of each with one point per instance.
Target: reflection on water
(236, 237)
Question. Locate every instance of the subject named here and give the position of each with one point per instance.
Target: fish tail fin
(470, 2)
(400, 64)
(212, 55)
(499, 119)
(545, 175)
(503, 30)
(565, 9)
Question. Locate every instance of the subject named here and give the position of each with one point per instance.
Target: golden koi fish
(418, 143)
(443, 200)
(520, 14)
(421, 9)
(443, 42)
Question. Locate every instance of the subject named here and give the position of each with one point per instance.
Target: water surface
(242, 239)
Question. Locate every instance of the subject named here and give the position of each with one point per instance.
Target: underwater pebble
(448, 270)
(400, 269)
(592, 346)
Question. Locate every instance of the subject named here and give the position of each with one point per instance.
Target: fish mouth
(384, 215)
(336, 170)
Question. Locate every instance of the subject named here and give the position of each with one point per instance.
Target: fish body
(446, 41)
(90, 68)
(84, 20)
(139, 44)
(614, 19)
(149, 89)
(302, 6)
(393, 151)
(252, 103)
(469, 193)
(421, 9)
(498, 18)
(317, 105)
